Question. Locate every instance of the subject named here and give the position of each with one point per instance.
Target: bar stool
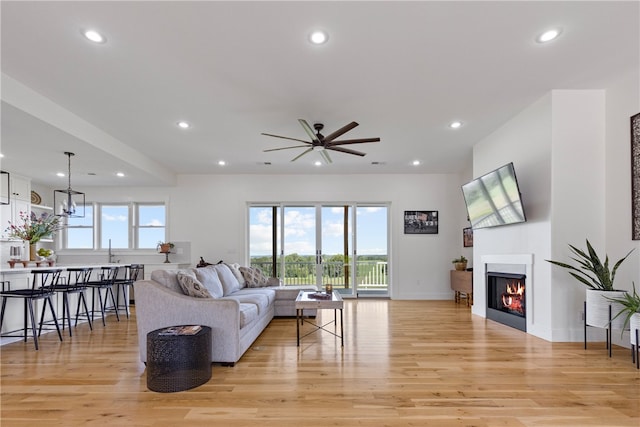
(76, 283)
(131, 275)
(42, 285)
(106, 282)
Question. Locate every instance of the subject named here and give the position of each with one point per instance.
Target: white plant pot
(598, 308)
(634, 324)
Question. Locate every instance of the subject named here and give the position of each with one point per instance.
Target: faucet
(111, 254)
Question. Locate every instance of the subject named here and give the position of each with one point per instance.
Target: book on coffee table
(181, 330)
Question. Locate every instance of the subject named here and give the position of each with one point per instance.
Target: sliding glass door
(341, 244)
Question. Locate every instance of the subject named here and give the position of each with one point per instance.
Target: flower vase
(32, 252)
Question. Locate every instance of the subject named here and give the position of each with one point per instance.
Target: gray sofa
(236, 317)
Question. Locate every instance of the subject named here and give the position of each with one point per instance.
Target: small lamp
(69, 203)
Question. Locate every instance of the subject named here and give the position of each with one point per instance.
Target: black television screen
(494, 199)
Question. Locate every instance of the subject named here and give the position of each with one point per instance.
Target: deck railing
(369, 274)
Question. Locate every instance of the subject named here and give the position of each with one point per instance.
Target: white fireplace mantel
(523, 261)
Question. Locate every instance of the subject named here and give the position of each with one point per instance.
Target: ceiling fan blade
(354, 141)
(302, 154)
(284, 148)
(308, 130)
(325, 156)
(346, 150)
(285, 137)
(339, 132)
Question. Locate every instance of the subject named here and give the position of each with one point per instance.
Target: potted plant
(599, 279)
(165, 247)
(460, 264)
(630, 312)
(33, 228)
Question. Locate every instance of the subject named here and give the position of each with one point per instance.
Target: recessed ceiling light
(1, 155)
(548, 35)
(221, 162)
(120, 174)
(60, 174)
(318, 37)
(94, 36)
(455, 125)
(183, 125)
(416, 163)
(317, 163)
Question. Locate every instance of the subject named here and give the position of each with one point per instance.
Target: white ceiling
(403, 70)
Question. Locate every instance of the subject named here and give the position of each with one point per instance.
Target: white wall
(572, 157)
(210, 212)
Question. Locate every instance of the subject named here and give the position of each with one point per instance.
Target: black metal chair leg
(65, 305)
(83, 299)
(29, 307)
(113, 301)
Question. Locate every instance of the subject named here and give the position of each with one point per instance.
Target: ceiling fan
(321, 143)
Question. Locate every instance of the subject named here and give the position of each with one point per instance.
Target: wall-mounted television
(494, 199)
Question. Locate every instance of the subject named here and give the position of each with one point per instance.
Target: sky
(300, 230)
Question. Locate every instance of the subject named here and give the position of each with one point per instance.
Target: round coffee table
(178, 362)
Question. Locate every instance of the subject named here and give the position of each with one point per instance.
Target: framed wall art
(635, 177)
(420, 222)
(467, 237)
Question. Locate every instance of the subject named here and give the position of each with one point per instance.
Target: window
(79, 231)
(151, 225)
(119, 226)
(114, 226)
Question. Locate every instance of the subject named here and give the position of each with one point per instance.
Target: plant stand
(166, 257)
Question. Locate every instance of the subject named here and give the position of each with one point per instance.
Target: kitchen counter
(20, 269)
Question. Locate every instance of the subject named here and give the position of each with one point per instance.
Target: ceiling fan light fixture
(318, 37)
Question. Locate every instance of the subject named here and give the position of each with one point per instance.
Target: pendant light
(69, 203)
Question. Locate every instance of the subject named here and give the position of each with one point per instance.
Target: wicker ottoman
(178, 362)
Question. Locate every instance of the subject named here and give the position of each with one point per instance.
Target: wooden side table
(462, 283)
(178, 362)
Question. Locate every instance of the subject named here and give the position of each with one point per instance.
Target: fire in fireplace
(506, 299)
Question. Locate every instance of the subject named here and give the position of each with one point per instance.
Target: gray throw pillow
(191, 286)
(253, 277)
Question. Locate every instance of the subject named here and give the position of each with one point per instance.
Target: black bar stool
(106, 282)
(131, 275)
(42, 285)
(77, 278)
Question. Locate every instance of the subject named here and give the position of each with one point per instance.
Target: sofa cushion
(248, 313)
(191, 286)
(209, 278)
(253, 277)
(229, 282)
(235, 269)
(261, 301)
(167, 278)
(267, 292)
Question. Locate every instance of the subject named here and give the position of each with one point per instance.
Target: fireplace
(506, 302)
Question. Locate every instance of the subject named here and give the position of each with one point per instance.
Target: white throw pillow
(209, 278)
(229, 282)
(235, 269)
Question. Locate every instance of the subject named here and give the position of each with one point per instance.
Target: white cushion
(235, 269)
(209, 278)
(229, 282)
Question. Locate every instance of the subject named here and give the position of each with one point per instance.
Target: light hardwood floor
(405, 363)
